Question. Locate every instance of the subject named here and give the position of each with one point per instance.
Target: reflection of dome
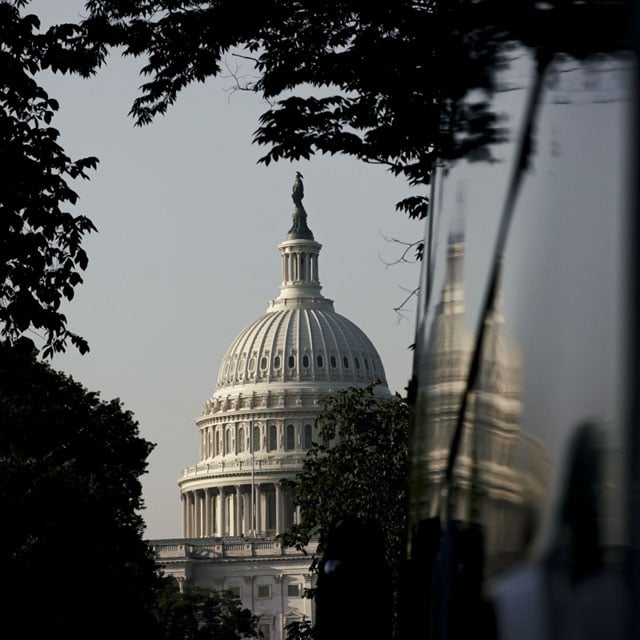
(501, 370)
(450, 341)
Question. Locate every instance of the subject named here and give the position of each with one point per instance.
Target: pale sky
(186, 251)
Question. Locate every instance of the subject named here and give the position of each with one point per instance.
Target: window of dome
(276, 362)
(255, 437)
(241, 365)
(357, 363)
(345, 362)
(252, 364)
(366, 364)
(291, 362)
(290, 439)
(263, 363)
(320, 362)
(305, 361)
(333, 361)
(273, 437)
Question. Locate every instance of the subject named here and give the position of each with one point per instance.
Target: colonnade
(299, 266)
(227, 510)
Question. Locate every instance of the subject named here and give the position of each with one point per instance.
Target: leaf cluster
(41, 254)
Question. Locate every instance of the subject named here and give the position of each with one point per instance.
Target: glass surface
(531, 474)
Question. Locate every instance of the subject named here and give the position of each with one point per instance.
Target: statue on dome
(298, 190)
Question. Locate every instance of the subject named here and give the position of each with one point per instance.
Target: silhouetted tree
(41, 254)
(384, 82)
(70, 498)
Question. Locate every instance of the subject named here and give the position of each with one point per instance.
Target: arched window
(308, 436)
(263, 363)
(334, 362)
(357, 363)
(366, 364)
(292, 362)
(273, 437)
(240, 439)
(345, 362)
(256, 439)
(290, 442)
(218, 439)
(276, 362)
(320, 362)
(227, 441)
(305, 361)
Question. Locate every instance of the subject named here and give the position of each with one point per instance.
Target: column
(219, 510)
(246, 512)
(279, 507)
(223, 509)
(198, 514)
(183, 501)
(207, 513)
(259, 526)
(238, 514)
(191, 514)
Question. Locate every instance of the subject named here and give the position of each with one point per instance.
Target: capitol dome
(257, 426)
(309, 343)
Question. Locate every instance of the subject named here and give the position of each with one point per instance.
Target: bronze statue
(298, 190)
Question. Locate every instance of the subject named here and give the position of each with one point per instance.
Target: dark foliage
(358, 469)
(72, 552)
(203, 614)
(41, 255)
(383, 82)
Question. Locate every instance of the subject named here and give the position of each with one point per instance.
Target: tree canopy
(70, 497)
(203, 614)
(355, 473)
(41, 254)
(358, 467)
(386, 83)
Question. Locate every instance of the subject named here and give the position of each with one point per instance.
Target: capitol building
(254, 432)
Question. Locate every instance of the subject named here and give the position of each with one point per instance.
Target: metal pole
(253, 487)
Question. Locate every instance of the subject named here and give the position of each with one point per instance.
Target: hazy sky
(186, 252)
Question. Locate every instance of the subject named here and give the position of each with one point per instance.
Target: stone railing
(246, 465)
(212, 548)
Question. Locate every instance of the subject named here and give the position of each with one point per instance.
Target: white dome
(308, 343)
(259, 424)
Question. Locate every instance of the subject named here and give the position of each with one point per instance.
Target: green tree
(203, 614)
(41, 254)
(357, 469)
(71, 547)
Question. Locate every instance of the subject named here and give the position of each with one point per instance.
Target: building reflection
(499, 479)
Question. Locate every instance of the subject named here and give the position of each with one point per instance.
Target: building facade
(254, 432)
